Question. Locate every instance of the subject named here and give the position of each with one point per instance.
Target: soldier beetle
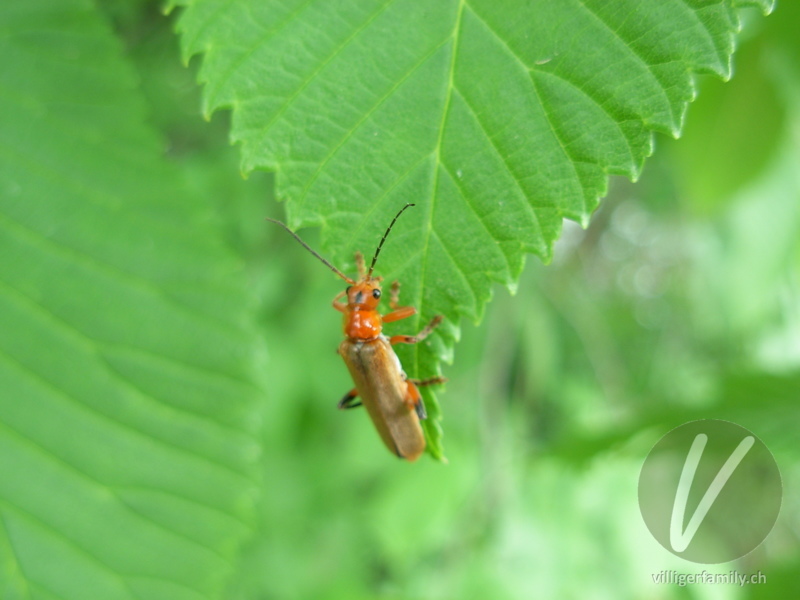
(392, 399)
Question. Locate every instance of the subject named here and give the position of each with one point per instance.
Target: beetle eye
(376, 294)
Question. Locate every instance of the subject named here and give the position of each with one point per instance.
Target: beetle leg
(414, 401)
(414, 339)
(338, 305)
(429, 381)
(362, 269)
(398, 312)
(347, 400)
(401, 313)
(394, 295)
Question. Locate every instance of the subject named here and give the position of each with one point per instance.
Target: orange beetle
(392, 399)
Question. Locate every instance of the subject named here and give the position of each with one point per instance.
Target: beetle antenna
(307, 247)
(383, 239)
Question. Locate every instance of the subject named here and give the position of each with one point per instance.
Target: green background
(198, 454)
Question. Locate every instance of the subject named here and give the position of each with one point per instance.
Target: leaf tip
(725, 74)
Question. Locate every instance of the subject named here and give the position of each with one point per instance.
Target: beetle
(392, 400)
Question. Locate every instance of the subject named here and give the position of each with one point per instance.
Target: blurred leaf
(734, 129)
(128, 401)
(750, 249)
(762, 402)
(498, 119)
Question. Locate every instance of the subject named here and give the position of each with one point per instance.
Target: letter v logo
(709, 491)
(680, 540)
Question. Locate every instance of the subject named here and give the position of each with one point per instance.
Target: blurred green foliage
(680, 301)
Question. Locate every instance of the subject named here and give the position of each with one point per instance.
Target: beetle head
(365, 294)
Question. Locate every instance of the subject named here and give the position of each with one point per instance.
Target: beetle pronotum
(392, 400)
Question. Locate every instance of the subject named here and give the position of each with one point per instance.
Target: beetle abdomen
(382, 386)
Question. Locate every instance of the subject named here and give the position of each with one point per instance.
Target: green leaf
(128, 410)
(497, 118)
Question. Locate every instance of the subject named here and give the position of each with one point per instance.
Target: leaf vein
(551, 124)
(58, 248)
(56, 533)
(466, 201)
(459, 268)
(721, 56)
(304, 192)
(228, 73)
(601, 105)
(210, 19)
(92, 344)
(55, 391)
(631, 49)
(364, 218)
(527, 201)
(454, 37)
(324, 63)
(567, 154)
(53, 458)
(24, 578)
